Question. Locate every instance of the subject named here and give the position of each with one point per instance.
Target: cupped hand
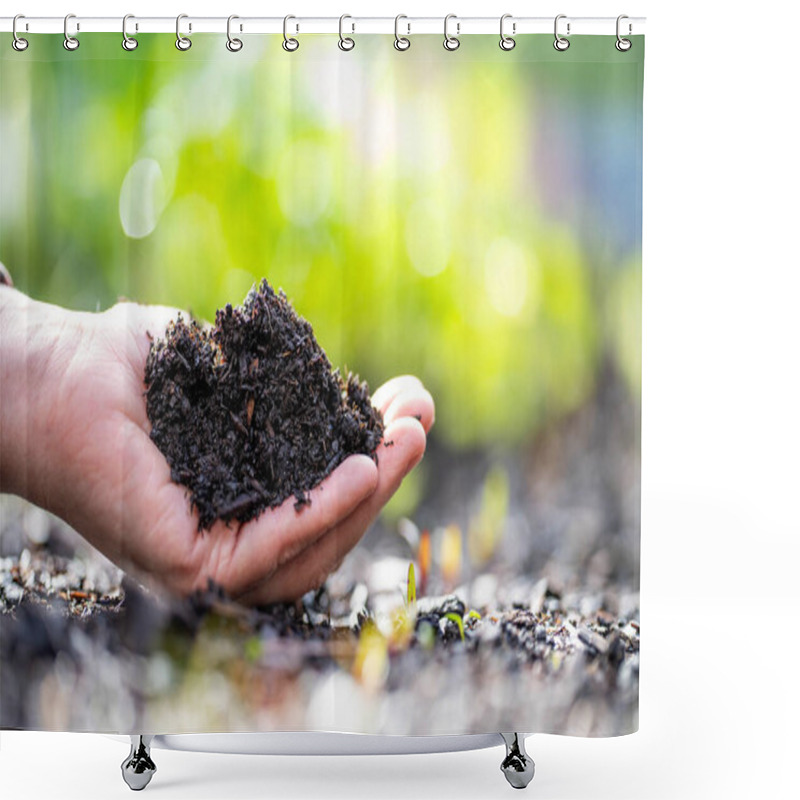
(113, 485)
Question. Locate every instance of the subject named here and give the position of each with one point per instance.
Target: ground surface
(84, 648)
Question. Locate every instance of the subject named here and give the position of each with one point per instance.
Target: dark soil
(251, 412)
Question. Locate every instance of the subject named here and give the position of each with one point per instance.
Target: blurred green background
(471, 217)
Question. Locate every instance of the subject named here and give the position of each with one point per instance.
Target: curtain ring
(234, 45)
(128, 42)
(182, 42)
(451, 42)
(70, 42)
(289, 44)
(400, 42)
(345, 42)
(18, 43)
(560, 44)
(506, 42)
(623, 45)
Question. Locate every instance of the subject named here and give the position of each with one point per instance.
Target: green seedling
(458, 621)
(411, 596)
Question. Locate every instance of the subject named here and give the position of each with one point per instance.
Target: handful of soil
(251, 412)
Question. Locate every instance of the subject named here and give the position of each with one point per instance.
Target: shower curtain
(321, 378)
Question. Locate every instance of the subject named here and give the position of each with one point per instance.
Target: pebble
(604, 618)
(541, 638)
(444, 604)
(13, 592)
(616, 650)
(538, 594)
(37, 525)
(593, 641)
(488, 632)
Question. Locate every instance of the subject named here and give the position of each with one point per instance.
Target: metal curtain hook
(560, 44)
(70, 42)
(451, 42)
(289, 44)
(18, 43)
(128, 42)
(234, 45)
(623, 45)
(506, 42)
(400, 42)
(345, 42)
(182, 42)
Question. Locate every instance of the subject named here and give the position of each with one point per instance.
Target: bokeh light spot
(506, 276)
(142, 198)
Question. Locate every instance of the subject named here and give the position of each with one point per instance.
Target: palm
(128, 506)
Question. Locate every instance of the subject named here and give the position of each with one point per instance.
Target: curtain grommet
(70, 42)
(18, 43)
(507, 42)
(451, 43)
(290, 44)
(401, 43)
(233, 44)
(183, 43)
(622, 44)
(129, 43)
(346, 43)
(561, 44)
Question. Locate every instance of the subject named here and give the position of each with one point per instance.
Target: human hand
(90, 460)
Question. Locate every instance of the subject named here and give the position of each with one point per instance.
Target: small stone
(37, 525)
(552, 604)
(538, 594)
(444, 604)
(616, 650)
(593, 641)
(488, 632)
(604, 618)
(13, 592)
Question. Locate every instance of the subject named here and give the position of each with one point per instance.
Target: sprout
(252, 648)
(412, 589)
(458, 621)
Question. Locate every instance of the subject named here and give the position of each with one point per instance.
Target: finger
(384, 394)
(414, 401)
(278, 535)
(309, 569)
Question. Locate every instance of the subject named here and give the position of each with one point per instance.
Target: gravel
(82, 647)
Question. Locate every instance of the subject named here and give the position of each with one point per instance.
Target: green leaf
(412, 587)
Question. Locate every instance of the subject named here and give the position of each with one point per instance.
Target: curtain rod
(514, 26)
